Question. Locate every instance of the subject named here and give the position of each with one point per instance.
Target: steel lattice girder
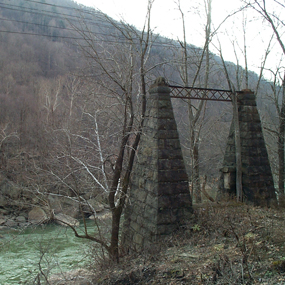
(200, 93)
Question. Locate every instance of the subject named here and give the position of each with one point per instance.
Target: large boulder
(65, 205)
(10, 193)
(10, 189)
(102, 216)
(11, 223)
(2, 220)
(92, 206)
(37, 216)
(65, 220)
(74, 277)
(21, 219)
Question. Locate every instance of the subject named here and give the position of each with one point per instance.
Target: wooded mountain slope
(48, 83)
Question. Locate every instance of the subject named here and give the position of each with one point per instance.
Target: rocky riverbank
(21, 207)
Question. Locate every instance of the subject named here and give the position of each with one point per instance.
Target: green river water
(20, 252)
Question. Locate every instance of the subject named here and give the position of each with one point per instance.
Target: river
(21, 251)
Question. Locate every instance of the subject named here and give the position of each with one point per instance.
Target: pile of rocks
(12, 221)
(20, 207)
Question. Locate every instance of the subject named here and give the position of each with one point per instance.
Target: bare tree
(5, 135)
(271, 13)
(274, 126)
(241, 81)
(111, 112)
(195, 113)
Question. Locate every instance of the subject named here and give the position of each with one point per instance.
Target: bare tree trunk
(114, 247)
(237, 133)
(203, 190)
(196, 174)
(118, 78)
(276, 23)
(238, 150)
(194, 113)
(281, 150)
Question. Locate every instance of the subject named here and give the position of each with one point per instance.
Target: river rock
(11, 223)
(92, 206)
(103, 216)
(4, 212)
(65, 205)
(74, 277)
(10, 189)
(37, 216)
(65, 220)
(21, 219)
(2, 220)
(10, 193)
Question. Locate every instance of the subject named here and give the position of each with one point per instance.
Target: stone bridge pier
(257, 180)
(159, 201)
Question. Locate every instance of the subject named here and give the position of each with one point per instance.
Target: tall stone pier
(257, 180)
(159, 202)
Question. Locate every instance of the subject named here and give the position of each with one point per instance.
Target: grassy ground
(226, 244)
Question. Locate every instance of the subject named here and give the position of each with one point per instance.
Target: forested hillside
(59, 59)
(41, 61)
(34, 51)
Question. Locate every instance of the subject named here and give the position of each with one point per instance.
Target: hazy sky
(166, 20)
(165, 16)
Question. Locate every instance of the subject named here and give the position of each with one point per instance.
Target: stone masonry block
(173, 154)
(181, 201)
(150, 186)
(248, 110)
(165, 202)
(152, 114)
(166, 188)
(151, 200)
(166, 216)
(172, 175)
(173, 188)
(133, 226)
(164, 104)
(185, 215)
(245, 96)
(168, 144)
(248, 103)
(138, 240)
(141, 196)
(166, 229)
(150, 211)
(175, 164)
(166, 124)
(167, 134)
(165, 113)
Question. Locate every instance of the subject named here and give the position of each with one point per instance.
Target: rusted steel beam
(200, 93)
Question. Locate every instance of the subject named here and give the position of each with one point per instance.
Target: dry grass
(227, 244)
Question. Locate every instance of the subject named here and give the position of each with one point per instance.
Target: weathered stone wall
(159, 201)
(257, 180)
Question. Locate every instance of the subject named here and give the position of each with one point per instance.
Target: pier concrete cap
(248, 91)
(246, 95)
(159, 86)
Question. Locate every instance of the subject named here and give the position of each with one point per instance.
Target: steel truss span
(200, 93)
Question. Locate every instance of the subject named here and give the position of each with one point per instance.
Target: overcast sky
(166, 20)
